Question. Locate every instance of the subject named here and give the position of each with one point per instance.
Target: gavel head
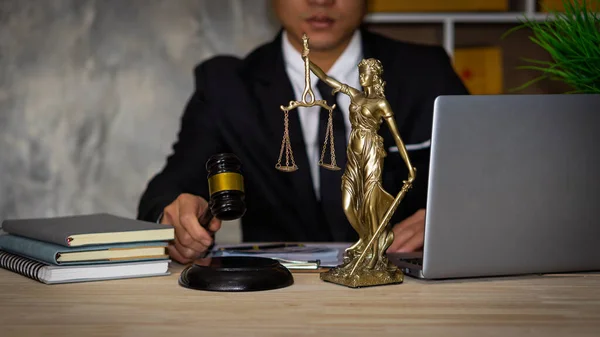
(226, 186)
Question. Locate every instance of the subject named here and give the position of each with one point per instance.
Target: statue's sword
(386, 219)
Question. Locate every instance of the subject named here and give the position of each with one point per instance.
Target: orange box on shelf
(437, 5)
(558, 5)
(480, 68)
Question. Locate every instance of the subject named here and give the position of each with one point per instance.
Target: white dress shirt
(345, 70)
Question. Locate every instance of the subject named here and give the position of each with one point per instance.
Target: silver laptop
(514, 187)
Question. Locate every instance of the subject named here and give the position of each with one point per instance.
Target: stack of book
(84, 248)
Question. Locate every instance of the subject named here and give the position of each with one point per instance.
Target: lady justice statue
(367, 206)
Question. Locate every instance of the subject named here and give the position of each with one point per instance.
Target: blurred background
(91, 91)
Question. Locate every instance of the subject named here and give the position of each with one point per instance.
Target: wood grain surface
(550, 305)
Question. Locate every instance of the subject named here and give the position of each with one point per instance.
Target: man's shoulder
(233, 64)
(217, 64)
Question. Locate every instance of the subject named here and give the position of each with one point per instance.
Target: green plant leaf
(572, 41)
(527, 84)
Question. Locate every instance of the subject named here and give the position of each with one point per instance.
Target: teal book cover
(60, 255)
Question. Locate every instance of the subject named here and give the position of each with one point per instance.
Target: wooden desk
(553, 305)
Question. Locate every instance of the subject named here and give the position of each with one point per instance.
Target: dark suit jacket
(235, 108)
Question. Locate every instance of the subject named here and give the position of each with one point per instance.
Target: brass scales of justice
(290, 164)
(367, 206)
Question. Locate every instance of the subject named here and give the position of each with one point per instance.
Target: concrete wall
(91, 92)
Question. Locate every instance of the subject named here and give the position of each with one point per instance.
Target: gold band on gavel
(225, 181)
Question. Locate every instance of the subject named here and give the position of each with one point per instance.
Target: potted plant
(572, 39)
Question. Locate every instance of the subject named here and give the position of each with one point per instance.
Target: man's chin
(322, 42)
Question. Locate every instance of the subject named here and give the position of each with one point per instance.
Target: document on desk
(293, 255)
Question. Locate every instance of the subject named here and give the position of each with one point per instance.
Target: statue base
(363, 277)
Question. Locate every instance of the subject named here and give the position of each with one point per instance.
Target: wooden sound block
(235, 274)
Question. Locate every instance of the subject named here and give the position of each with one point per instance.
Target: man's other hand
(191, 239)
(409, 234)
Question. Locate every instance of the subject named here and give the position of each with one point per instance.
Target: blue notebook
(94, 254)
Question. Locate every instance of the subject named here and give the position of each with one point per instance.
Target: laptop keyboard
(418, 262)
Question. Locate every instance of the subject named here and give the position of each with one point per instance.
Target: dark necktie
(330, 181)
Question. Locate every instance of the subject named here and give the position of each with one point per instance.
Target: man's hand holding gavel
(191, 239)
(196, 220)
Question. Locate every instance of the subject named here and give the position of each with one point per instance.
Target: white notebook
(52, 274)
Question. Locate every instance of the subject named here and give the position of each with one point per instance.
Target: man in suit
(236, 108)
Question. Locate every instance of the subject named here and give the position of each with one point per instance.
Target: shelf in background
(472, 38)
(429, 6)
(450, 19)
(507, 17)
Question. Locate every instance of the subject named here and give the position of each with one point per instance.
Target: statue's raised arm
(332, 82)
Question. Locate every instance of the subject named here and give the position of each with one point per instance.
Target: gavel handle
(205, 218)
(204, 221)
